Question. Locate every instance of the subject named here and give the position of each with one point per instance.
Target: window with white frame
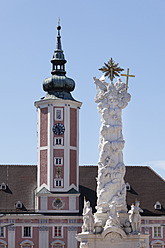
(157, 232)
(58, 232)
(58, 161)
(128, 187)
(58, 141)
(58, 183)
(58, 114)
(3, 186)
(2, 232)
(18, 204)
(157, 205)
(27, 231)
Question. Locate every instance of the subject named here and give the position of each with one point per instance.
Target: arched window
(157, 205)
(3, 186)
(57, 244)
(18, 204)
(27, 244)
(128, 187)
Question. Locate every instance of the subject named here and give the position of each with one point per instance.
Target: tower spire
(58, 85)
(58, 46)
(58, 61)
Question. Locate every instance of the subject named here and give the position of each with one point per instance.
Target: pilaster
(44, 237)
(11, 237)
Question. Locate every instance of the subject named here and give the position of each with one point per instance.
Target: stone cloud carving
(111, 99)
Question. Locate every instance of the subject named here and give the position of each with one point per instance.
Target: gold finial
(127, 75)
(111, 69)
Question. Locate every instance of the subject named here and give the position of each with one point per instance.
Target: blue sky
(131, 32)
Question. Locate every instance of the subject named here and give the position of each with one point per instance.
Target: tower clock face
(58, 129)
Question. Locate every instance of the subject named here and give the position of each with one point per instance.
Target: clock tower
(58, 141)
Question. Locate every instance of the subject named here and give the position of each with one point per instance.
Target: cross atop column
(127, 75)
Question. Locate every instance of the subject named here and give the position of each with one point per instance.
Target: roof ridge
(18, 165)
(156, 174)
(137, 165)
(86, 165)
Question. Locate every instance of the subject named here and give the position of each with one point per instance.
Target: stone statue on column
(135, 218)
(111, 225)
(111, 99)
(88, 218)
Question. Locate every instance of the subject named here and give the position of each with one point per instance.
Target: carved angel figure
(88, 219)
(134, 217)
(100, 84)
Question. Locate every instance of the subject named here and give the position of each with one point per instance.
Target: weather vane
(111, 69)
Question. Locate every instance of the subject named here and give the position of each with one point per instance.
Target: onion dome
(58, 85)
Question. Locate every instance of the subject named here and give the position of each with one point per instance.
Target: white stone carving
(113, 219)
(88, 218)
(112, 226)
(111, 99)
(84, 244)
(113, 236)
(135, 218)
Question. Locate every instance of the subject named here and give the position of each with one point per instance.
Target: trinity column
(112, 226)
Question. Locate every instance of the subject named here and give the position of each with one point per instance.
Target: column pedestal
(112, 239)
